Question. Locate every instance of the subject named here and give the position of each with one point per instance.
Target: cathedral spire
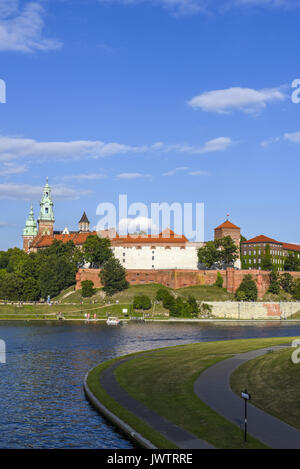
(30, 231)
(46, 215)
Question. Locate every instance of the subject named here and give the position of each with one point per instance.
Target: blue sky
(165, 101)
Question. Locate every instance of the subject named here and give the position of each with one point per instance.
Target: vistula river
(42, 400)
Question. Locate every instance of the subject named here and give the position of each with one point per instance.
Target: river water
(42, 401)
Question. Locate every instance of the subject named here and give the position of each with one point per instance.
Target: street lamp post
(246, 396)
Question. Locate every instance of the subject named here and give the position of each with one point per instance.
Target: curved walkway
(180, 437)
(213, 388)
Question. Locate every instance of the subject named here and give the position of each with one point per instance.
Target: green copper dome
(31, 226)
(46, 205)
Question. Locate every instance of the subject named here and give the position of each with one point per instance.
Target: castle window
(153, 258)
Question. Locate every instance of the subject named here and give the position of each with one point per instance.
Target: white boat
(111, 321)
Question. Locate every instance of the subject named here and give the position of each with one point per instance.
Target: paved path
(182, 438)
(213, 388)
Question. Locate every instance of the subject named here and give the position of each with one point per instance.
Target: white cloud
(185, 170)
(3, 224)
(198, 173)
(12, 148)
(84, 177)
(8, 169)
(29, 192)
(175, 171)
(22, 30)
(133, 176)
(217, 144)
(292, 137)
(207, 6)
(270, 141)
(243, 99)
(132, 225)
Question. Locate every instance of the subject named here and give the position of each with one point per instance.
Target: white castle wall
(160, 257)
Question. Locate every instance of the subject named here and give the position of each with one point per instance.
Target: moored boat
(112, 321)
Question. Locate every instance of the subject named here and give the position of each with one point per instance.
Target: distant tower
(229, 229)
(46, 216)
(30, 231)
(84, 224)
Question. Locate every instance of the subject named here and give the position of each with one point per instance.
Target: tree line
(35, 276)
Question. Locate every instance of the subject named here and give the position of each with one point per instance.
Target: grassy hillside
(200, 292)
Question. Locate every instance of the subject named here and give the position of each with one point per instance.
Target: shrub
(296, 289)
(87, 288)
(286, 282)
(274, 283)
(141, 302)
(248, 287)
(161, 293)
(219, 281)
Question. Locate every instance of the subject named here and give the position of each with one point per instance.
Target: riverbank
(163, 381)
(219, 310)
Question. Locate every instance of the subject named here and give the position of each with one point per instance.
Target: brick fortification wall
(185, 278)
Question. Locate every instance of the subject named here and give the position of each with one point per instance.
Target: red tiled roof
(261, 239)
(164, 237)
(45, 241)
(228, 224)
(291, 247)
(167, 236)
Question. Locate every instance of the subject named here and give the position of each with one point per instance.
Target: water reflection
(42, 401)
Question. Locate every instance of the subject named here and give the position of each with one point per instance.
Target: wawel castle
(163, 251)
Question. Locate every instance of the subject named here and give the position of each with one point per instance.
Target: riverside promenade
(213, 388)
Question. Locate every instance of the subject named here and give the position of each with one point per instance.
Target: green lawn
(206, 293)
(42, 311)
(163, 380)
(274, 383)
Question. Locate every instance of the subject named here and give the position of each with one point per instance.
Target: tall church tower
(30, 231)
(84, 224)
(46, 216)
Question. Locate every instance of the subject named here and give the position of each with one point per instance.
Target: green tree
(97, 250)
(219, 281)
(266, 260)
(87, 288)
(291, 263)
(209, 254)
(31, 289)
(161, 293)
(248, 287)
(11, 287)
(274, 283)
(228, 250)
(194, 308)
(168, 301)
(141, 302)
(113, 276)
(296, 289)
(286, 282)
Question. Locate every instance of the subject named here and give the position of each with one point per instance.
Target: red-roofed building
(253, 252)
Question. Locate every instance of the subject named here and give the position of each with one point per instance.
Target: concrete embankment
(253, 310)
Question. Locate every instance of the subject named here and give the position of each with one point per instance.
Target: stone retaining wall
(177, 278)
(253, 310)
